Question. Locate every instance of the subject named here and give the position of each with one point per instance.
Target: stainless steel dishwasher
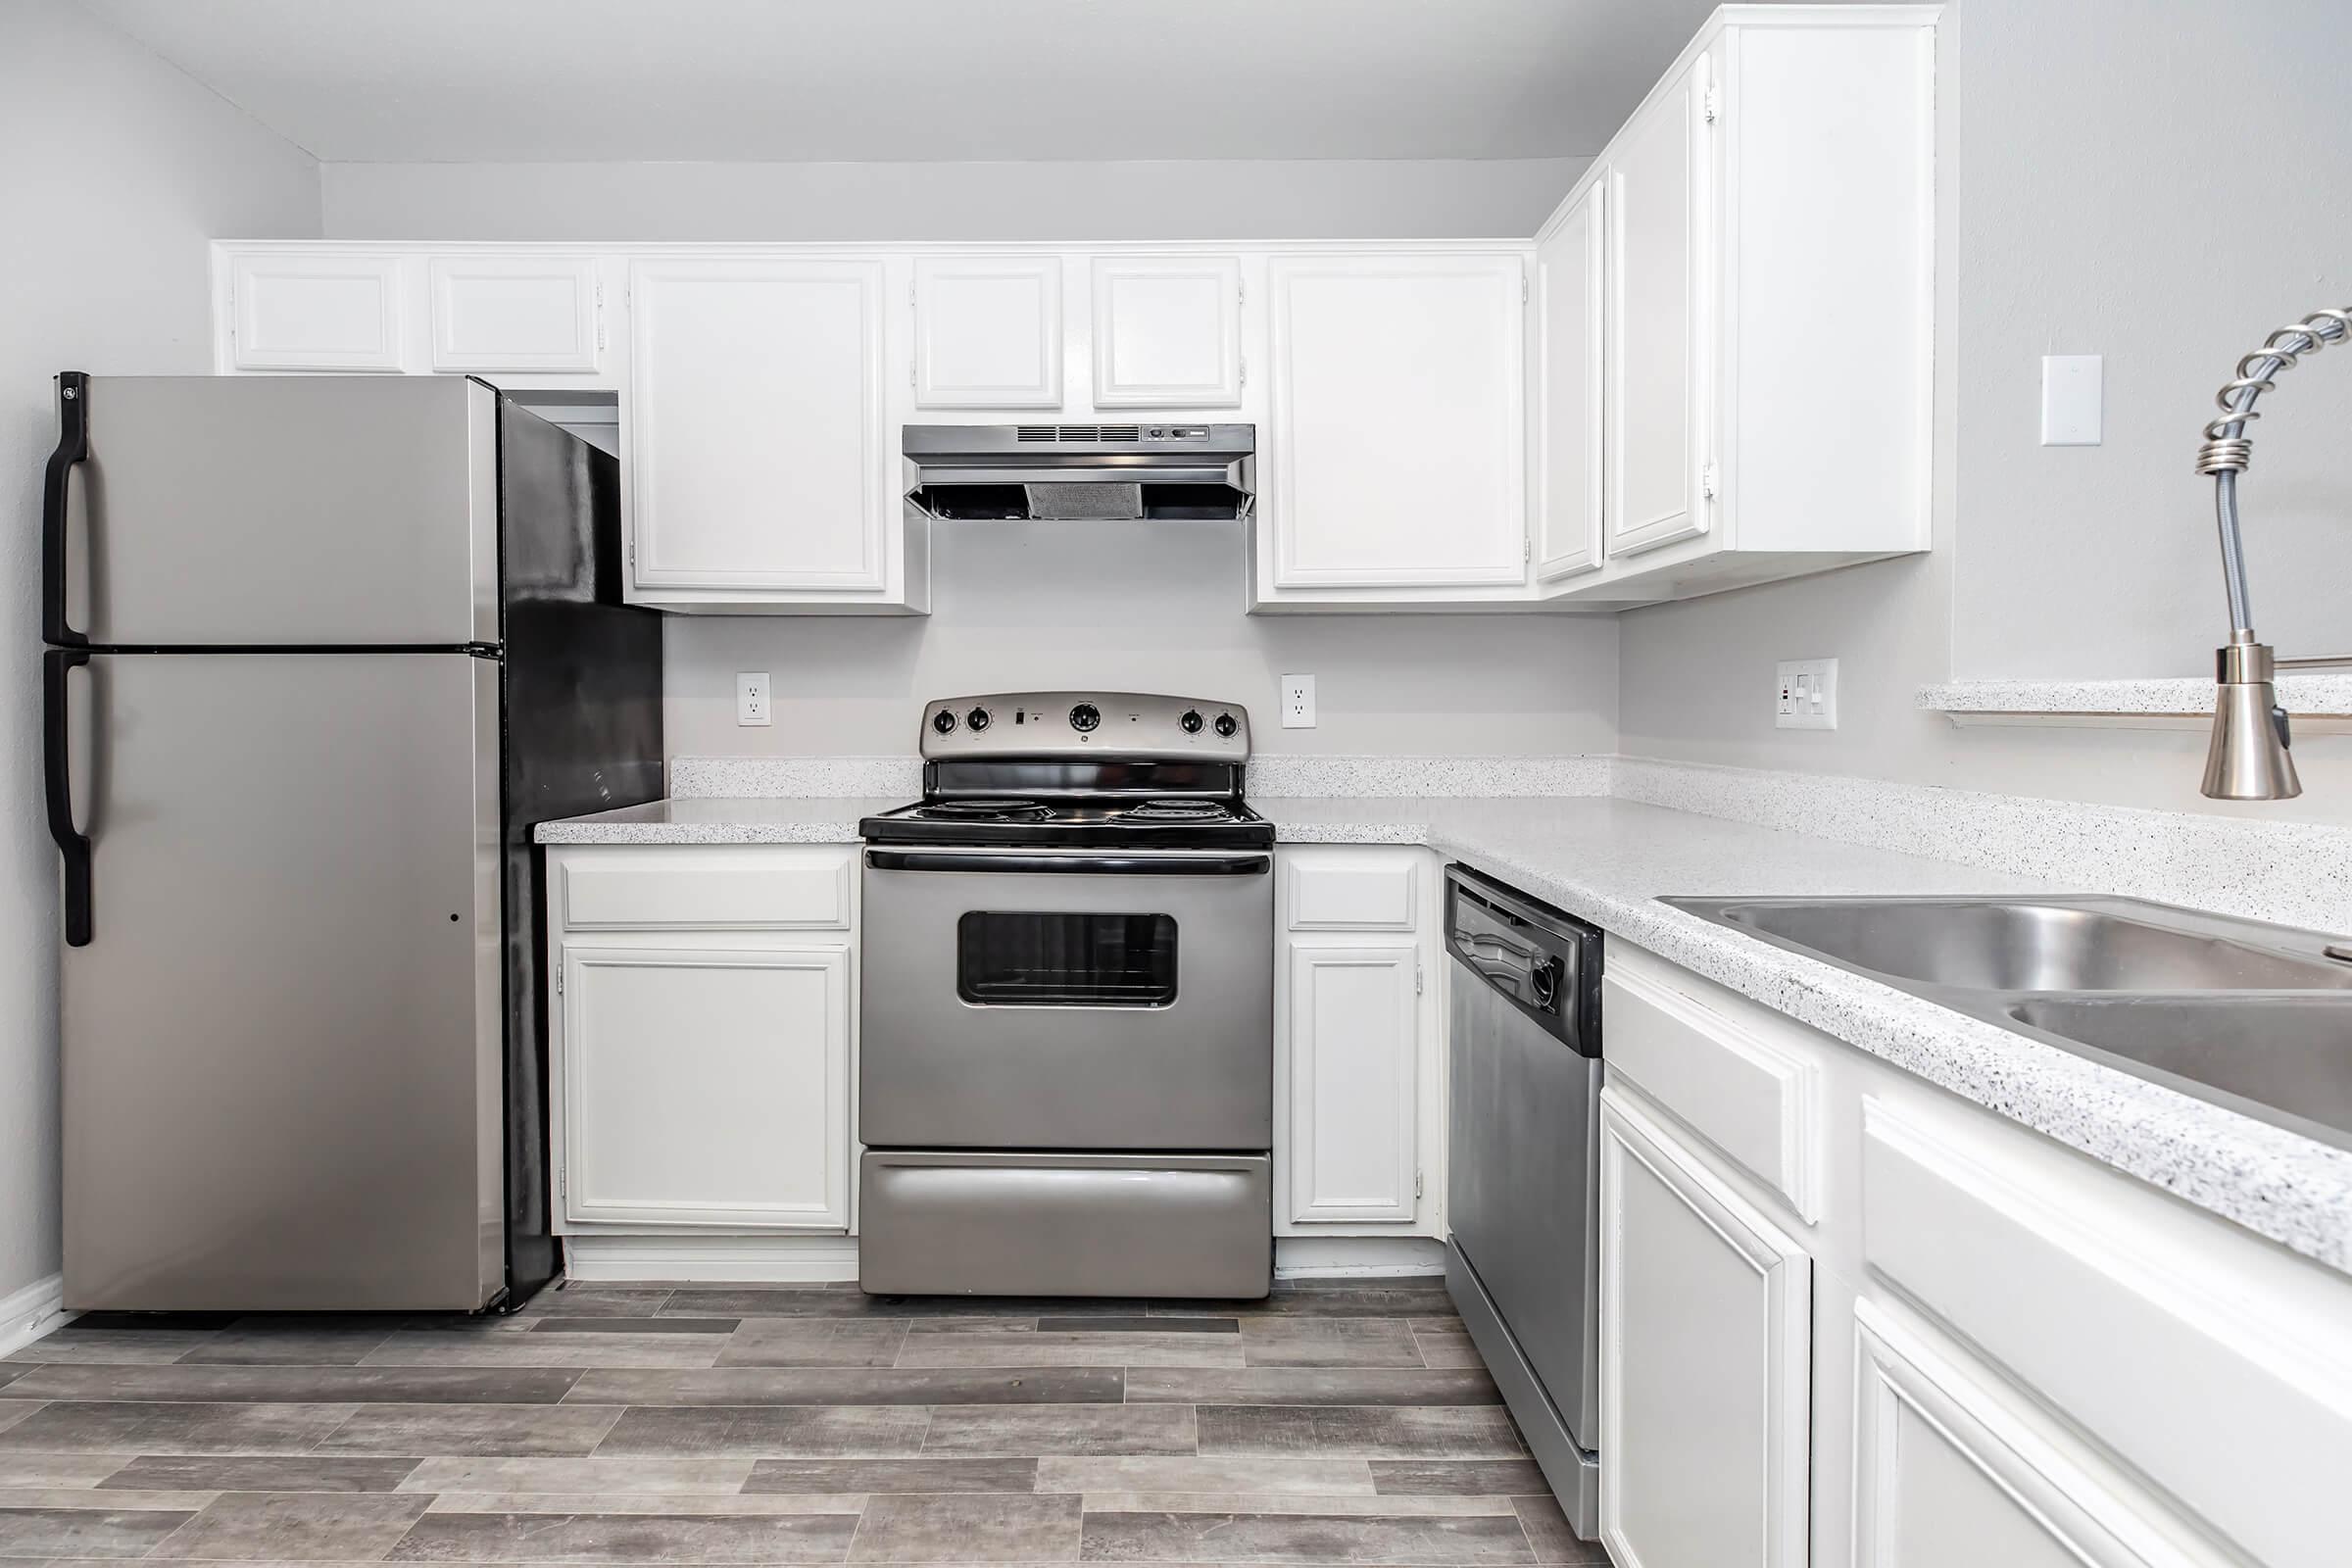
(1523, 1182)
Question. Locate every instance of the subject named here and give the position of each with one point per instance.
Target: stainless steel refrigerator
(321, 651)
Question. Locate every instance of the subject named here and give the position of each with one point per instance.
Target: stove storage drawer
(959, 1222)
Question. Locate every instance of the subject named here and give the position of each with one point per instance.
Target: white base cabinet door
(706, 1086)
(1354, 1058)
(1706, 1361)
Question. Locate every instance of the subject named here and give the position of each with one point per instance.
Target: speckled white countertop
(1608, 860)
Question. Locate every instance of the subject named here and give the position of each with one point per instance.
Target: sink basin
(2019, 945)
(2283, 1057)
(2252, 1016)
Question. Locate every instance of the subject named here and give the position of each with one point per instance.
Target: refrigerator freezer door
(281, 1046)
(285, 512)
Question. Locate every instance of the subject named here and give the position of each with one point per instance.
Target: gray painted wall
(2096, 198)
(119, 171)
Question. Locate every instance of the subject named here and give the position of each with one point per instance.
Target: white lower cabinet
(701, 1039)
(1358, 1053)
(1705, 1357)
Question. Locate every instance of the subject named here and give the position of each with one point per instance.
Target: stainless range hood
(1087, 473)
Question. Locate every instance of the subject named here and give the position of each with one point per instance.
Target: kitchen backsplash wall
(1146, 606)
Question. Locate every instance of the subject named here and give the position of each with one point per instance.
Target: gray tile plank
(21, 1411)
(132, 1427)
(74, 1344)
(635, 1325)
(524, 1431)
(787, 1300)
(1466, 1432)
(299, 1385)
(667, 1478)
(1057, 1429)
(968, 1527)
(295, 1526)
(1329, 1341)
(1485, 1477)
(86, 1531)
(852, 1386)
(599, 1301)
(1237, 1537)
(1039, 1348)
(1548, 1532)
(310, 1341)
(925, 1475)
(813, 1342)
(1277, 1384)
(1351, 1504)
(10, 1373)
(533, 1349)
(1268, 1474)
(774, 1431)
(1145, 1324)
(620, 1538)
(21, 1470)
(1446, 1347)
(1337, 1301)
(258, 1473)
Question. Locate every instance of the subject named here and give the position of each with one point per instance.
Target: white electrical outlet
(1806, 694)
(752, 698)
(1297, 702)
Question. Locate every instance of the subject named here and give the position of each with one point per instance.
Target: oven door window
(1045, 958)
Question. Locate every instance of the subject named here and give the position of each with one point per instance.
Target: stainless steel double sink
(2253, 1016)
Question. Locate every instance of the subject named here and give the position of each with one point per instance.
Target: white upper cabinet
(760, 465)
(528, 313)
(1657, 191)
(1395, 457)
(333, 309)
(1568, 396)
(1168, 332)
(988, 333)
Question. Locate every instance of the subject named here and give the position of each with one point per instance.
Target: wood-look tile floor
(753, 1425)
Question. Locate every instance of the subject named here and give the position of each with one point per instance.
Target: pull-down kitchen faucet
(2248, 759)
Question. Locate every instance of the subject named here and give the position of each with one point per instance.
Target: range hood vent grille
(1081, 473)
(1028, 433)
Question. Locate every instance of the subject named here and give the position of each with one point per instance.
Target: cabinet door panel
(755, 426)
(513, 313)
(1657, 197)
(1569, 392)
(1168, 332)
(1399, 426)
(707, 1086)
(333, 312)
(1706, 1361)
(1355, 1040)
(988, 333)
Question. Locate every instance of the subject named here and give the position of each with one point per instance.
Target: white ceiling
(886, 81)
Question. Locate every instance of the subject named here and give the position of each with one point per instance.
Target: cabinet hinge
(1710, 104)
(563, 1181)
(1706, 481)
(559, 981)
(600, 315)
(1417, 1184)
(1420, 977)
(1242, 379)
(1523, 287)
(1527, 550)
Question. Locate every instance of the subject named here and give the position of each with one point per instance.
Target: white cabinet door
(757, 448)
(1705, 1358)
(1948, 1476)
(1659, 265)
(988, 333)
(706, 1086)
(514, 313)
(1168, 332)
(1396, 457)
(1569, 397)
(339, 311)
(1355, 1045)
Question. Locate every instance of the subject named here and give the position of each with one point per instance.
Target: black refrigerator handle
(57, 783)
(72, 448)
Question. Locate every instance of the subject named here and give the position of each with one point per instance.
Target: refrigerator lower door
(282, 1041)
(296, 510)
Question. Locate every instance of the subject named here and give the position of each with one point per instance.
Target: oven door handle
(1250, 865)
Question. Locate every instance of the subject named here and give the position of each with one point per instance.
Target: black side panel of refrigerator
(582, 728)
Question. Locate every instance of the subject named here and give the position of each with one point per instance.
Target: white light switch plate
(1807, 694)
(2072, 399)
(1297, 702)
(752, 694)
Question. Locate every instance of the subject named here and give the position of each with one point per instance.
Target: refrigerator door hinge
(1707, 480)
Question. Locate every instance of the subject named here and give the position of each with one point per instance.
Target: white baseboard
(706, 1259)
(830, 1260)
(1370, 1258)
(27, 1314)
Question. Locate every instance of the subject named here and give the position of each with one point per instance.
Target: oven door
(1060, 998)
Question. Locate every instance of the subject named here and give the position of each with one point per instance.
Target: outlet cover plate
(1807, 697)
(753, 694)
(1297, 702)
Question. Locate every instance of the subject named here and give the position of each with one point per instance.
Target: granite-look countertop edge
(721, 820)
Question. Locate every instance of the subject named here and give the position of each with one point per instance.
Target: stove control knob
(943, 723)
(1190, 723)
(1084, 716)
(976, 719)
(1227, 724)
